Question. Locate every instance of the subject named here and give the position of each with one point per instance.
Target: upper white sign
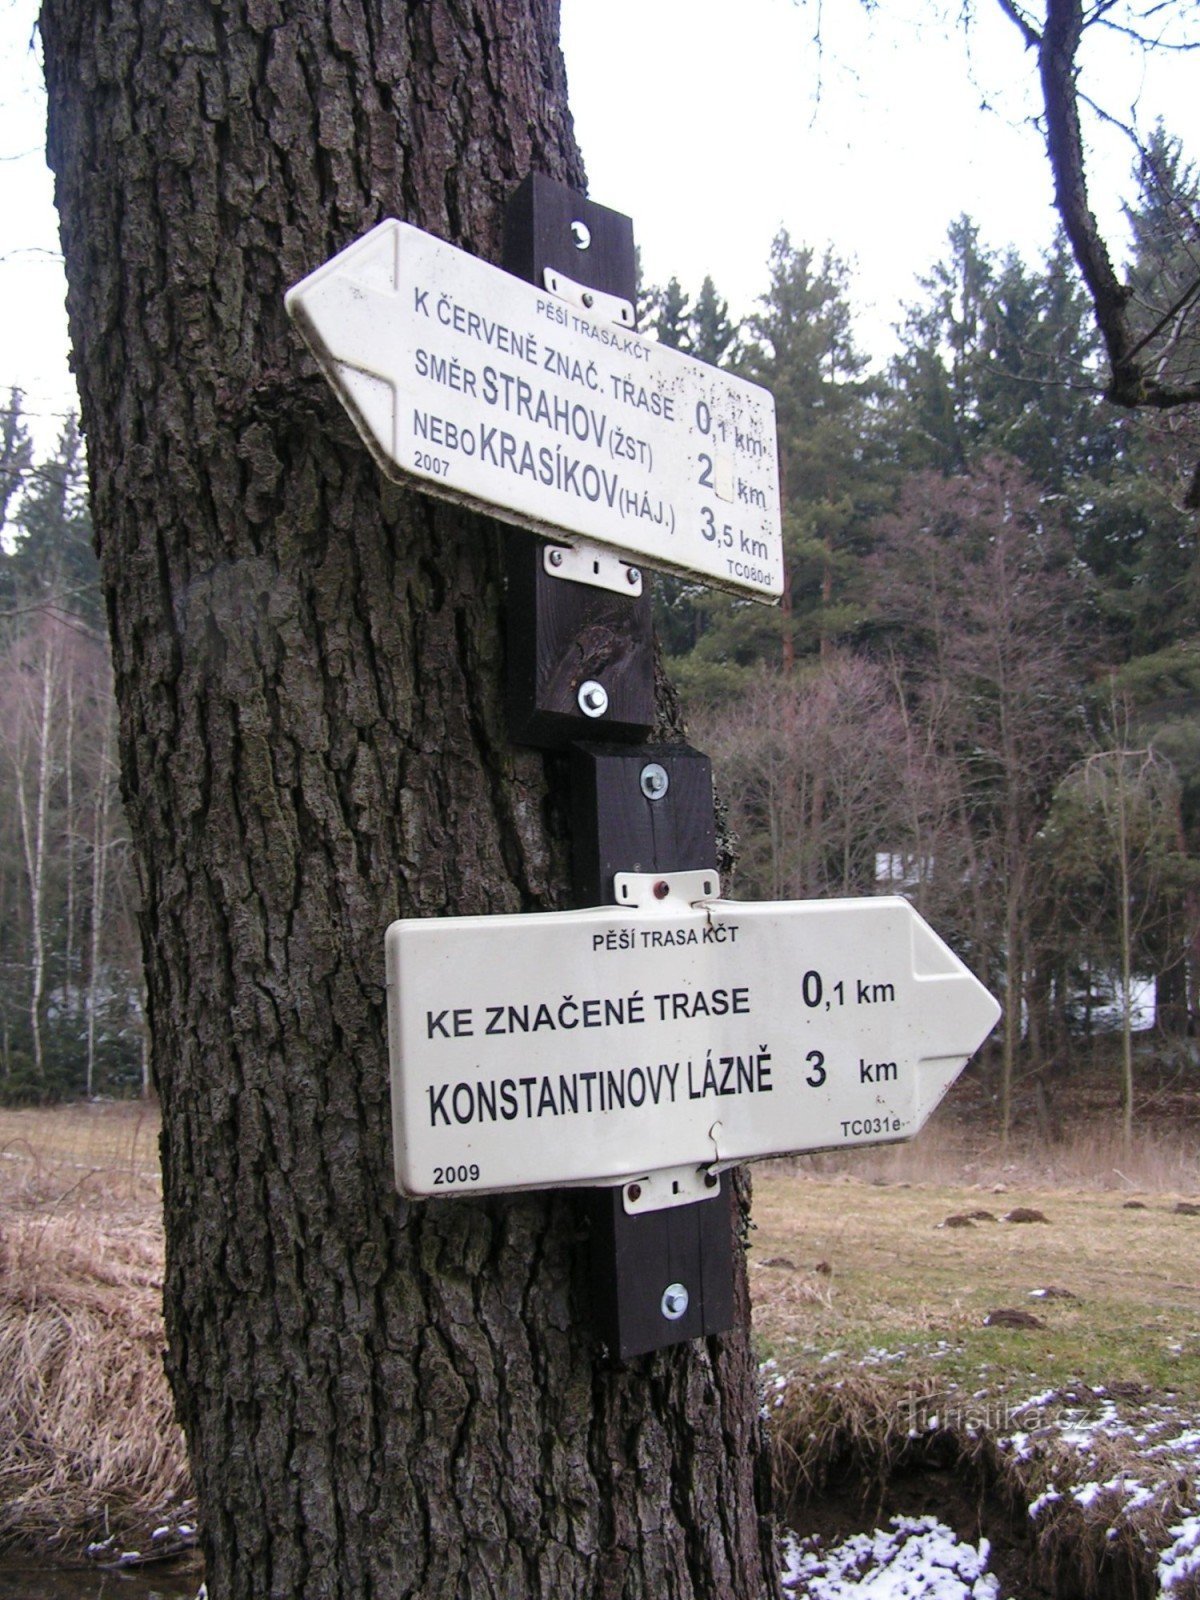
(489, 391)
(599, 1046)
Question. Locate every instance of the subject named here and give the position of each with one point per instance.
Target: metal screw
(711, 1180)
(655, 781)
(581, 235)
(674, 1301)
(593, 698)
(556, 558)
(589, 299)
(634, 1191)
(633, 576)
(661, 890)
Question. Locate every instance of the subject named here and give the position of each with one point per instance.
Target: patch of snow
(1037, 1402)
(1046, 1498)
(1182, 1558)
(1189, 1439)
(916, 1558)
(879, 1356)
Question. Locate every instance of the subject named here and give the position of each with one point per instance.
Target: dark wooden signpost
(658, 1277)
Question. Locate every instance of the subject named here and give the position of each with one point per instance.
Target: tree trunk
(381, 1399)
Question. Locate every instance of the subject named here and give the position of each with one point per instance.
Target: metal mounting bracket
(587, 563)
(670, 892)
(674, 1186)
(608, 307)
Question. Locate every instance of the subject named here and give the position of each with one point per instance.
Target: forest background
(982, 689)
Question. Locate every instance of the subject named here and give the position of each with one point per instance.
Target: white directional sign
(673, 1035)
(489, 391)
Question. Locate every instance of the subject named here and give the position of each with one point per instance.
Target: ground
(1006, 1340)
(962, 1403)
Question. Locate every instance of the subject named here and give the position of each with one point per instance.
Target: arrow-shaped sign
(481, 388)
(678, 1034)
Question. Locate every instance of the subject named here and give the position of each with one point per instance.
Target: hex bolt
(633, 576)
(556, 558)
(655, 781)
(592, 698)
(581, 235)
(674, 1301)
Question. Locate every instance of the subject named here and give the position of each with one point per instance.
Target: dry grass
(1160, 1160)
(873, 1309)
(897, 1274)
(87, 1439)
(64, 1155)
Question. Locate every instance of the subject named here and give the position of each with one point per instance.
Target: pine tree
(802, 349)
(1164, 271)
(1037, 396)
(800, 345)
(1139, 538)
(711, 335)
(16, 456)
(668, 319)
(53, 562)
(937, 373)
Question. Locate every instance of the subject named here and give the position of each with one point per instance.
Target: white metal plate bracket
(586, 563)
(675, 1186)
(607, 307)
(669, 892)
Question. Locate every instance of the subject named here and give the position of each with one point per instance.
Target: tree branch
(1131, 383)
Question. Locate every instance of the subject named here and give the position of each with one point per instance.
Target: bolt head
(661, 890)
(633, 577)
(592, 698)
(654, 780)
(589, 299)
(674, 1301)
(581, 235)
(556, 558)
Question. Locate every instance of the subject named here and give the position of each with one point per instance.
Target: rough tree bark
(381, 1399)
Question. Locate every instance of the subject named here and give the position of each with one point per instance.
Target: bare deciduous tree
(976, 595)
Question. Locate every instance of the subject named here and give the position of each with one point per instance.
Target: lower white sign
(598, 1046)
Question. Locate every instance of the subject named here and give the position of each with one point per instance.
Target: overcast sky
(713, 126)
